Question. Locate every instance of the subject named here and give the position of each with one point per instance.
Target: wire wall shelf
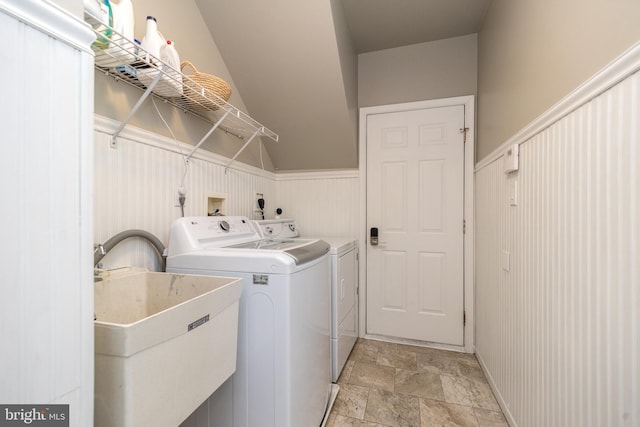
(126, 61)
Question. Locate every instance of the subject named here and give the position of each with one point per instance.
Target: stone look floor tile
(442, 414)
(351, 401)
(435, 363)
(346, 373)
(468, 392)
(464, 367)
(397, 358)
(391, 409)
(417, 349)
(373, 376)
(483, 397)
(414, 387)
(331, 419)
(421, 384)
(363, 352)
(488, 418)
(380, 345)
(456, 390)
(341, 421)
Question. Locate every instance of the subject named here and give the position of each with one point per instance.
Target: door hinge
(464, 131)
(464, 318)
(464, 226)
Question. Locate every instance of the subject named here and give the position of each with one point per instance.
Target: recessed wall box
(510, 159)
(216, 204)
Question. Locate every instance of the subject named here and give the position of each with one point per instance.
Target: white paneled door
(415, 199)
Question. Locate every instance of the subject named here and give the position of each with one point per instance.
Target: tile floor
(397, 385)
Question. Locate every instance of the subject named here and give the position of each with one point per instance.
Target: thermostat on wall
(510, 159)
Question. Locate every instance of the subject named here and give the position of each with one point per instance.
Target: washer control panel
(193, 233)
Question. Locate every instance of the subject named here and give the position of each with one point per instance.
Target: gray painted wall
(533, 53)
(289, 59)
(440, 69)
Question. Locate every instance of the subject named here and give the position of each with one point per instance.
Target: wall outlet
(180, 191)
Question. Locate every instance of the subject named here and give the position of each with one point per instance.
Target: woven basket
(209, 82)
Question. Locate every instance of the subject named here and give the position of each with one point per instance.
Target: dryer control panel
(278, 228)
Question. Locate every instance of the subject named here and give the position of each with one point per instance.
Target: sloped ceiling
(384, 24)
(295, 63)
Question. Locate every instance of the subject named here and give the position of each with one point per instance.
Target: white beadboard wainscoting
(558, 276)
(322, 203)
(136, 183)
(46, 296)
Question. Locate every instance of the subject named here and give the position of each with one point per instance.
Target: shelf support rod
(242, 149)
(215, 126)
(145, 95)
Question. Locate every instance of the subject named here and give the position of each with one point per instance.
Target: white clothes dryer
(344, 288)
(282, 377)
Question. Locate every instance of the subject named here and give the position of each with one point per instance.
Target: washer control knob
(224, 226)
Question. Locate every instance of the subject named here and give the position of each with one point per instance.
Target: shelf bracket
(136, 107)
(215, 126)
(258, 130)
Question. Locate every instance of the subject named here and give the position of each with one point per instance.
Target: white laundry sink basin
(163, 344)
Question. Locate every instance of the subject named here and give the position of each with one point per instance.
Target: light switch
(506, 261)
(513, 192)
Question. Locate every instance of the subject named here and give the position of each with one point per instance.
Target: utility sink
(163, 344)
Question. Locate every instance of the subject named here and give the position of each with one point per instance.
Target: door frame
(469, 161)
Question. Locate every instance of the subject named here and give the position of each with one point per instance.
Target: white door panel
(415, 193)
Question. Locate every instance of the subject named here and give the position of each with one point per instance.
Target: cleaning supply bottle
(173, 79)
(104, 29)
(123, 18)
(92, 7)
(169, 55)
(152, 40)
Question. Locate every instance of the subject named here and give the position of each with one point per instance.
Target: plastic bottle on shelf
(92, 7)
(169, 55)
(172, 82)
(106, 18)
(152, 40)
(123, 18)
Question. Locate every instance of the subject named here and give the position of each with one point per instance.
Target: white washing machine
(344, 288)
(282, 377)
